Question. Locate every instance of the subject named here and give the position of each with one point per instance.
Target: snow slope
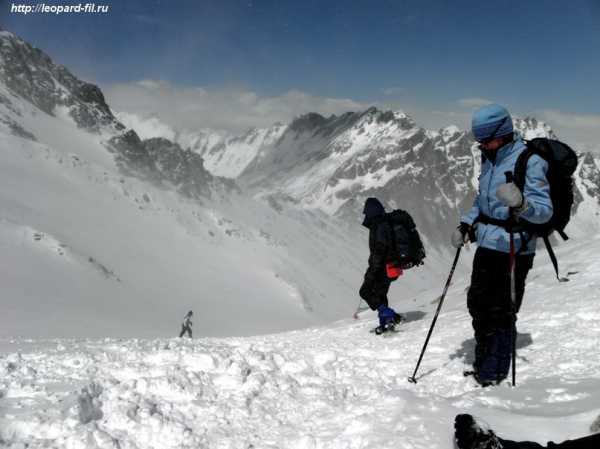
(90, 252)
(103, 234)
(325, 387)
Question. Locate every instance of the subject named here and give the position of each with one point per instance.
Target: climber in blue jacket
(489, 297)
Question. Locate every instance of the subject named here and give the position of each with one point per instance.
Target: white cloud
(229, 109)
(440, 119)
(579, 130)
(237, 109)
(473, 102)
(575, 121)
(146, 126)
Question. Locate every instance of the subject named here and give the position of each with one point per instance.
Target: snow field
(337, 386)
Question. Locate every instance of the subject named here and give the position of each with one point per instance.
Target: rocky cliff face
(335, 163)
(28, 74)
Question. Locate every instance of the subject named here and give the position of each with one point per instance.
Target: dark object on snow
(595, 427)
(186, 326)
(377, 278)
(394, 245)
(376, 283)
(470, 435)
(412, 379)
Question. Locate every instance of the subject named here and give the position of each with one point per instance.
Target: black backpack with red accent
(562, 163)
(406, 247)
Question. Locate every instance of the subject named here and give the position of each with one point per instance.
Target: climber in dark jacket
(186, 326)
(376, 283)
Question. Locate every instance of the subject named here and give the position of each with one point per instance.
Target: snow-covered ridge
(334, 163)
(230, 156)
(531, 128)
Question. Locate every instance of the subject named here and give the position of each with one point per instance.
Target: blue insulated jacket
(536, 191)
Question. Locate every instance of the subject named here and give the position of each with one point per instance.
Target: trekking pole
(355, 316)
(513, 291)
(412, 379)
(513, 306)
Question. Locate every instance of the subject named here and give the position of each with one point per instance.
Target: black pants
(375, 292)
(589, 442)
(490, 305)
(185, 329)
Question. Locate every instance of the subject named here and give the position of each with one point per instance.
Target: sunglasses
(487, 140)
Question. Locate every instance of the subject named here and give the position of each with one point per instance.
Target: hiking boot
(486, 382)
(386, 315)
(469, 435)
(389, 327)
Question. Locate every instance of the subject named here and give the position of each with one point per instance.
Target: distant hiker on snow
(394, 245)
(468, 434)
(490, 297)
(186, 326)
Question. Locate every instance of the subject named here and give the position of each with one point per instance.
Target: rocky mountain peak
(398, 118)
(29, 73)
(310, 121)
(530, 128)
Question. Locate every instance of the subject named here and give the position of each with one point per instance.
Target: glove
(464, 233)
(510, 195)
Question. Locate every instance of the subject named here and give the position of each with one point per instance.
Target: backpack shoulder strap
(392, 244)
(553, 259)
(520, 170)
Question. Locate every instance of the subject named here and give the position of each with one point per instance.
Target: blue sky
(427, 57)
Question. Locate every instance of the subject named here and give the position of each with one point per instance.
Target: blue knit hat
(491, 121)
